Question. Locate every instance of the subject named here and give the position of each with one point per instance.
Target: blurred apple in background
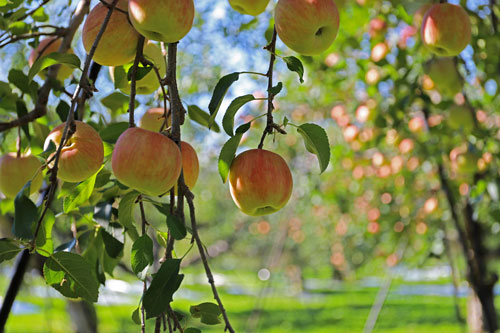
(162, 20)
(153, 119)
(446, 29)
(307, 27)
(118, 44)
(445, 76)
(460, 117)
(81, 156)
(15, 172)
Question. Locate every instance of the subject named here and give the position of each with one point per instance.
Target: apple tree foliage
(378, 126)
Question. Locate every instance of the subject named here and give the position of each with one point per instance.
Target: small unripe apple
(153, 120)
(47, 46)
(308, 27)
(15, 172)
(162, 20)
(260, 182)
(249, 7)
(445, 76)
(460, 117)
(118, 44)
(81, 156)
(446, 29)
(149, 83)
(146, 161)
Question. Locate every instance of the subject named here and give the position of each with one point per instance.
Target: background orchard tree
(386, 118)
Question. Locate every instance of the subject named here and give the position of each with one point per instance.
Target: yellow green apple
(162, 20)
(149, 83)
(81, 156)
(308, 27)
(249, 7)
(146, 161)
(15, 172)
(153, 120)
(446, 29)
(460, 117)
(445, 76)
(260, 182)
(47, 46)
(118, 44)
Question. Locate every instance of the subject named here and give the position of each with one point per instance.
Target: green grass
(342, 310)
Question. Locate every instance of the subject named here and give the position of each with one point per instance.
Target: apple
(466, 163)
(378, 27)
(82, 155)
(260, 182)
(308, 27)
(153, 119)
(15, 172)
(149, 83)
(445, 76)
(162, 20)
(249, 7)
(190, 164)
(446, 29)
(146, 161)
(460, 117)
(379, 51)
(47, 46)
(118, 44)
(418, 17)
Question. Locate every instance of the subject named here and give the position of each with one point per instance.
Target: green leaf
(295, 65)
(243, 128)
(22, 111)
(316, 142)
(44, 243)
(220, 91)
(208, 312)
(276, 89)
(125, 216)
(142, 254)
(51, 148)
(25, 214)
(53, 58)
(20, 80)
(141, 72)
(80, 194)
(8, 250)
(236, 104)
(164, 284)
(71, 275)
(62, 110)
(176, 227)
(19, 28)
(116, 102)
(112, 245)
(136, 316)
(39, 15)
(227, 154)
(112, 132)
(201, 117)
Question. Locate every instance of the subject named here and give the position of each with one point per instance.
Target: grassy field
(342, 309)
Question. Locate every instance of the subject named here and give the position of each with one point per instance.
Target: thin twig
(270, 96)
(13, 39)
(29, 13)
(145, 284)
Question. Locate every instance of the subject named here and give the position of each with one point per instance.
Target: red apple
(83, 154)
(446, 29)
(118, 44)
(378, 27)
(249, 7)
(15, 172)
(153, 119)
(162, 20)
(149, 83)
(190, 164)
(260, 182)
(308, 27)
(146, 161)
(47, 46)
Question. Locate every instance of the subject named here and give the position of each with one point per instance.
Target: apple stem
(271, 47)
(131, 105)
